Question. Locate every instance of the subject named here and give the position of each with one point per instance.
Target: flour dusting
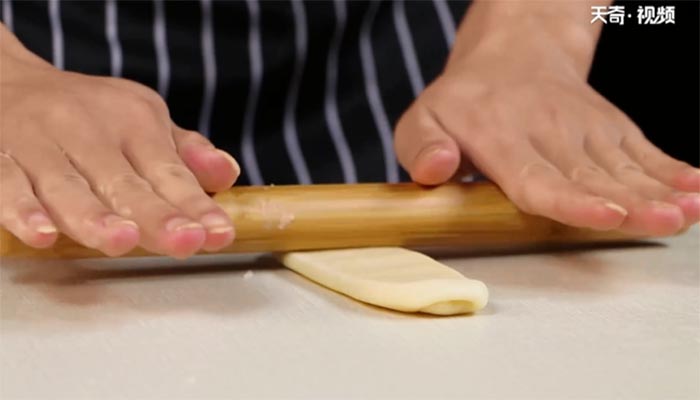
(285, 219)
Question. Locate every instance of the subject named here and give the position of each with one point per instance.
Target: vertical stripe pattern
(291, 139)
(161, 46)
(300, 91)
(112, 34)
(407, 49)
(56, 33)
(7, 14)
(250, 161)
(373, 96)
(331, 102)
(446, 21)
(209, 61)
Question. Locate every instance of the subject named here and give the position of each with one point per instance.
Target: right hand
(99, 160)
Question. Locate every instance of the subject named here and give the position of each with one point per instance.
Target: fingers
(424, 149)
(70, 202)
(215, 169)
(537, 187)
(20, 211)
(96, 158)
(643, 216)
(164, 228)
(102, 167)
(172, 180)
(656, 164)
(546, 192)
(531, 140)
(624, 170)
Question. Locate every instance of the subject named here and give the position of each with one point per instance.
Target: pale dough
(391, 277)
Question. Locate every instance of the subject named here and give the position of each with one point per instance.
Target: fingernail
(617, 208)
(234, 163)
(216, 223)
(46, 229)
(179, 224)
(126, 222)
(41, 223)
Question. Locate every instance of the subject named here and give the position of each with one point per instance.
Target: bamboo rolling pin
(285, 218)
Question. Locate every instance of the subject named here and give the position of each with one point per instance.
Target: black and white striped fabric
(298, 91)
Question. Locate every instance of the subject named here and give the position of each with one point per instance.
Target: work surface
(620, 322)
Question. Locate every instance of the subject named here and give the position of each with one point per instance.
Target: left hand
(515, 105)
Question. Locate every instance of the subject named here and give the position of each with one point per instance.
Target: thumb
(215, 169)
(424, 148)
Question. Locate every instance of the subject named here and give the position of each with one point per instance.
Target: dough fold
(391, 277)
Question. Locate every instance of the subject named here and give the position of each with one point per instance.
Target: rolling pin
(286, 218)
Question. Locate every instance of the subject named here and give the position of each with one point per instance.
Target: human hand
(514, 104)
(99, 160)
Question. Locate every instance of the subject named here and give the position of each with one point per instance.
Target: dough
(391, 277)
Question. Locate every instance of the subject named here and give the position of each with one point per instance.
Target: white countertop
(617, 323)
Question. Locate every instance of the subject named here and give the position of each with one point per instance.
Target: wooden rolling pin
(284, 218)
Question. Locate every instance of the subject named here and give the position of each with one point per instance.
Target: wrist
(528, 28)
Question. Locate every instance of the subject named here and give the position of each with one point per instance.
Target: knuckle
(62, 181)
(521, 195)
(416, 121)
(196, 138)
(21, 208)
(74, 178)
(172, 171)
(5, 157)
(139, 100)
(127, 182)
(25, 200)
(646, 155)
(531, 180)
(623, 120)
(20, 203)
(600, 125)
(534, 170)
(138, 109)
(626, 167)
(425, 120)
(157, 102)
(8, 169)
(141, 90)
(555, 205)
(199, 203)
(585, 172)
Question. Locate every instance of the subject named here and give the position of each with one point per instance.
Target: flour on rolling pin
(272, 215)
(391, 277)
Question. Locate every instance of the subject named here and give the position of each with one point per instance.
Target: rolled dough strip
(391, 277)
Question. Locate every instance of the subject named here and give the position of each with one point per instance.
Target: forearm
(496, 25)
